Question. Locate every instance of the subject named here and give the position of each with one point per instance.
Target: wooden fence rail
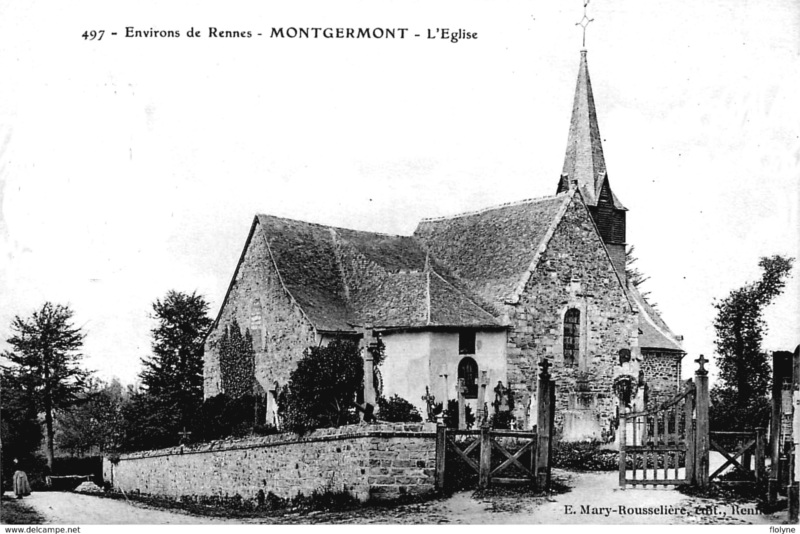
(510, 468)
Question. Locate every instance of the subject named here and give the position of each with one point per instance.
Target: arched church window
(468, 370)
(572, 335)
(624, 356)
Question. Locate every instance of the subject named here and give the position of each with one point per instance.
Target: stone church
(494, 290)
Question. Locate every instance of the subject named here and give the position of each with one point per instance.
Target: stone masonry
(663, 372)
(377, 462)
(582, 277)
(258, 302)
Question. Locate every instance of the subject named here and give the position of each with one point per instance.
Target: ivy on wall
(237, 361)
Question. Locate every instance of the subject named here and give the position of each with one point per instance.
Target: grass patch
(17, 512)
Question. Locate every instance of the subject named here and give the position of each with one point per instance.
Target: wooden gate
(500, 456)
(668, 445)
(738, 448)
(490, 456)
(657, 446)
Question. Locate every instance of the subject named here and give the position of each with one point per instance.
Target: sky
(130, 167)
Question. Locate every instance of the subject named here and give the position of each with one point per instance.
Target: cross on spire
(584, 21)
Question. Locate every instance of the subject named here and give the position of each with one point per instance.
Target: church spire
(584, 161)
(585, 167)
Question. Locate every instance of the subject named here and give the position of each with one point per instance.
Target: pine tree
(174, 373)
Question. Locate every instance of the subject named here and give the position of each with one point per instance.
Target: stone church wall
(662, 372)
(573, 272)
(259, 303)
(377, 462)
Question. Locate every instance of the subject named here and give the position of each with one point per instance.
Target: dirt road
(65, 508)
(593, 499)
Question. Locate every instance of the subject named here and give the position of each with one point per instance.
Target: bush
(451, 415)
(501, 420)
(322, 389)
(584, 456)
(222, 417)
(398, 410)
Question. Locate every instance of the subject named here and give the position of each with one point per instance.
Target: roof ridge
(459, 291)
(329, 227)
(491, 208)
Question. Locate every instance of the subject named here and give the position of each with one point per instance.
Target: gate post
(689, 435)
(774, 432)
(486, 457)
(623, 441)
(544, 424)
(759, 455)
(441, 449)
(702, 436)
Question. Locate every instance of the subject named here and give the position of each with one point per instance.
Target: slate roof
(453, 272)
(653, 331)
(304, 255)
(341, 278)
(491, 250)
(584, 160)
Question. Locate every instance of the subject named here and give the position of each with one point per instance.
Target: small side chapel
(488, 293)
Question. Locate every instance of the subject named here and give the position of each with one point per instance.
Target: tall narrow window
(572, 335)
(468, 370)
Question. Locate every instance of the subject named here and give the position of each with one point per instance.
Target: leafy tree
(94, 423)
(322, 389)
(173, 375)
(739, 399)
(46, 358)
(149, 422)
(397, 410)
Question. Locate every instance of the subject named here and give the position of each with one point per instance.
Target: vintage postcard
(399, 263)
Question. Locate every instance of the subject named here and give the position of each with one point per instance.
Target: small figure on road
(21, 486)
